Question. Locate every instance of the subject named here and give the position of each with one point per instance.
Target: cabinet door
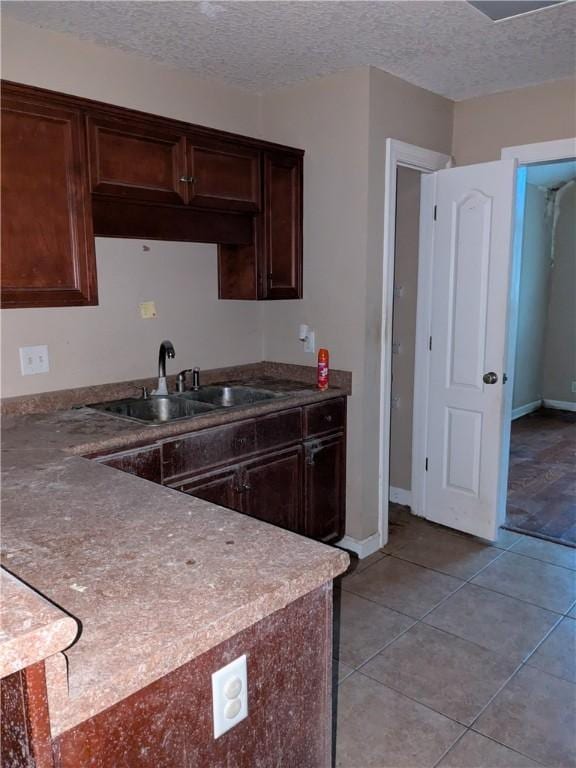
(325, 488)
(282, 252)
(144, 463)
(137, 160)
(272, 489)
(223, 175)
(48, 255)
(220, 488)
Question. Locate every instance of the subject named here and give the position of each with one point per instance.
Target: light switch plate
(148, 310)
(229, 695)
(34, 360)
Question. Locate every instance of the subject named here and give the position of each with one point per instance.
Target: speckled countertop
(152, 577)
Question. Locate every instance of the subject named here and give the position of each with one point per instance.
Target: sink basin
(228, 396)
(154, 410)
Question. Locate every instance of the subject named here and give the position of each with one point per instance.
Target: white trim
(421, 346)
(398, 153)
(524, 410)
(561, 405)
(362, 547)
(540, 152)
(401, 496)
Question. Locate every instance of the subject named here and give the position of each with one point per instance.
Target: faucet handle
(181, 380)
(196, 379)
(145, 393)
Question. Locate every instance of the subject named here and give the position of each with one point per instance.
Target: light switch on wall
(34, 360)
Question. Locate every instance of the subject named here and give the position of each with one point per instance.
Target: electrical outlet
(34, 360)
(148, 310)
(310, 342)
(229, 695)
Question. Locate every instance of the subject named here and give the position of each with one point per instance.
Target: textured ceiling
(447, 47)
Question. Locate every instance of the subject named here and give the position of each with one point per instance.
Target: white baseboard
(523, 410)
(400, 496)
(561, 405)
(362, 547)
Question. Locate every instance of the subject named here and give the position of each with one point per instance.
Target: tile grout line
(523, 662)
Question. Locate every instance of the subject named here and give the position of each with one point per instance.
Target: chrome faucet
(166, 350)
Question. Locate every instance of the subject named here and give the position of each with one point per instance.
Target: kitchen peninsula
(125, 597)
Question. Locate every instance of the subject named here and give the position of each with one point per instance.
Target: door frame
(398, 154)
(523, 154)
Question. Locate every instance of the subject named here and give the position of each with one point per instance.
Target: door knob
(490, 378)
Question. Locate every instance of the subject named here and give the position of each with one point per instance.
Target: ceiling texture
(448, 47)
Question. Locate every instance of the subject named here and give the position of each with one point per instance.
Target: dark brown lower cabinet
(325, 488)
(273, 489)
(286, 468)
(168, 724)
(220, 488)
(269, 488)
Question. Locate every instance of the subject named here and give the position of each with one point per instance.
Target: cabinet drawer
(324, 417)
(278, 429)
(207, 448)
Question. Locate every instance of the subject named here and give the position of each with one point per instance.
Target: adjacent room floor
(542, 477)
(457, 654)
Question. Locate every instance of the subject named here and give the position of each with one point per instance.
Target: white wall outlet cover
(303, 332)
(34, 360)
(229, 695)
(310, 342)
(148, 310)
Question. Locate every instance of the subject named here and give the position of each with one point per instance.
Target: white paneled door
(470, 287)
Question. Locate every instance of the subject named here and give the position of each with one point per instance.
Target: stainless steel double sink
(158, 409)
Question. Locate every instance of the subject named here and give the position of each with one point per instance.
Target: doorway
(406, 249)
(408, 164)
(541, 491)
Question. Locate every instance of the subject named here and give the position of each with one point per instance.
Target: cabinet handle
(246, 487)
(188, 179)
(311, 450)
(328, 418)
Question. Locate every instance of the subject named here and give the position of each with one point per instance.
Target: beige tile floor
(452, 653)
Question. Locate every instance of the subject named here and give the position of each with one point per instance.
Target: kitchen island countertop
(153, 577)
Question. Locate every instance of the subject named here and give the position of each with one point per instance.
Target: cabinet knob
(246, 486)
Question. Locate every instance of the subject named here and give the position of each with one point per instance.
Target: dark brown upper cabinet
(283, 226)
(137, 160)
(74, 168)
(223, 175)
(271, 266)
(153, 161)
(48, 255)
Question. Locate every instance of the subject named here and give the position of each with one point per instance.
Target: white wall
(533, 299)
(482, 126)
(342, 121)
(110, 342)
(560, 351)
(94, 345)
(328, 117)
